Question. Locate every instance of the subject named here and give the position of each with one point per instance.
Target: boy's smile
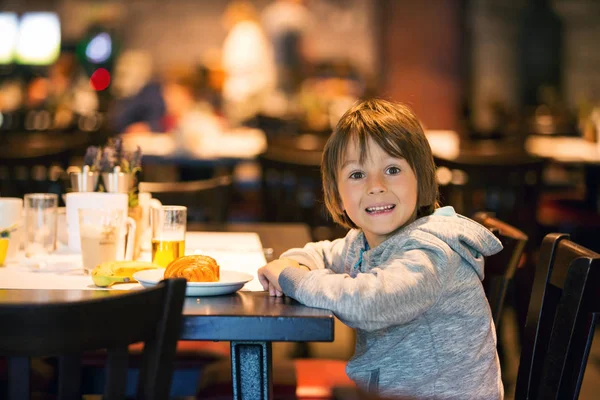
(379, 195)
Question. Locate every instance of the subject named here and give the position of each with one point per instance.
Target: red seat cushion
(317, 377)
(193, 353)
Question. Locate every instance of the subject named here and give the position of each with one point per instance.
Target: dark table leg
(251, 370)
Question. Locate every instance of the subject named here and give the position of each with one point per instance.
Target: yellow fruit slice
(111, 272)
(3, 249)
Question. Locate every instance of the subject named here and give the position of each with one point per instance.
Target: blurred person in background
(286, 23)
(188, 115)
(139, 105)
(69, 92)
(328, 92)
(12, 95)
(248, 64)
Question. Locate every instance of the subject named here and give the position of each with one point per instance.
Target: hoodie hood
(471, 240)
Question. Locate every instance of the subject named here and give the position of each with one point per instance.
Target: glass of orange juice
(168, 233)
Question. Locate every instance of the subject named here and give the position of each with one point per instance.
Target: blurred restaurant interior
(508, 93)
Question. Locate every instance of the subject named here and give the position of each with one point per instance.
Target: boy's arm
(394, 294)
(320, 255)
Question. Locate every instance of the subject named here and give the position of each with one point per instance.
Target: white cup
(11, 210)
(77, 200)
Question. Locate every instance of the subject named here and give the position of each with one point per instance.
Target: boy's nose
(376, 185)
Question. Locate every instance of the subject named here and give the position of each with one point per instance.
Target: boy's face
(380, 195)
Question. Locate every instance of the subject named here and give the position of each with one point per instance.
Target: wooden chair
(498, 176)
(291, 184)
(207, 200)
(153, 316)
(564, 308)
(500, 267)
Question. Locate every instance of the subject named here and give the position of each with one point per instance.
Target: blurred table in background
(26, 159)
(224, 149)
(173, 157)
(567, 151)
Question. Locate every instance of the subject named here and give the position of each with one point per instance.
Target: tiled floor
(591, 380)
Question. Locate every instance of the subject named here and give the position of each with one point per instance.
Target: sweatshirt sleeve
(320, 255)
(392, 294)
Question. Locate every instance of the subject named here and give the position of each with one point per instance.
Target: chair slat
(19, 378)
(500, 268)
(116, 373)
(69, 377)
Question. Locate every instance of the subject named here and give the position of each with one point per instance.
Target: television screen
(9, 28)
(38, 40)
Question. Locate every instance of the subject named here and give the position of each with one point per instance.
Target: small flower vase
(116, 182)
(136, 213)
(84, 181)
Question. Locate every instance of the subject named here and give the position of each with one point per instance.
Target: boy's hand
(268, 275)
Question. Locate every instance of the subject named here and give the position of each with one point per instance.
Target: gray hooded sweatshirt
(423, 325)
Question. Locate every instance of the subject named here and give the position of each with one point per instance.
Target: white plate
(231, 281)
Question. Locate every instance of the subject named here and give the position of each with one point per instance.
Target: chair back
(507, 183)
(561, 320)
(291, 192)
(67, 329)
(291, 184)
(500, 268)
(207, 200)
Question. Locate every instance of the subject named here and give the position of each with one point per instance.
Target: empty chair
(153, 316)
(504, 181)
(291, 184)
(561, 319)
(207, 200)
(500, 268)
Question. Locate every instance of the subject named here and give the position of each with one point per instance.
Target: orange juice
(165, 251)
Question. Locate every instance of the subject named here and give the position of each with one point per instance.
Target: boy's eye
(393, 170)
(356, 175)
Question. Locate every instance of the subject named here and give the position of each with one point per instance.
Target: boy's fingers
(263, 281)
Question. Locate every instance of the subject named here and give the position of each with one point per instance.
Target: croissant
(196, 268)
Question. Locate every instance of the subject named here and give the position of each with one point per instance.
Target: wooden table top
(240, 316)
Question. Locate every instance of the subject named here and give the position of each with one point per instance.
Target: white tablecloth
(63, 269)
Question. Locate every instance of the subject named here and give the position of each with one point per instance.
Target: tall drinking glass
(106, 235)
(40, 223)
(168, 233)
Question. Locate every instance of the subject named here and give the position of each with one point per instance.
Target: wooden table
(250, 320)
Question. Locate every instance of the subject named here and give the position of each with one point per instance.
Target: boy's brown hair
(396, 129)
